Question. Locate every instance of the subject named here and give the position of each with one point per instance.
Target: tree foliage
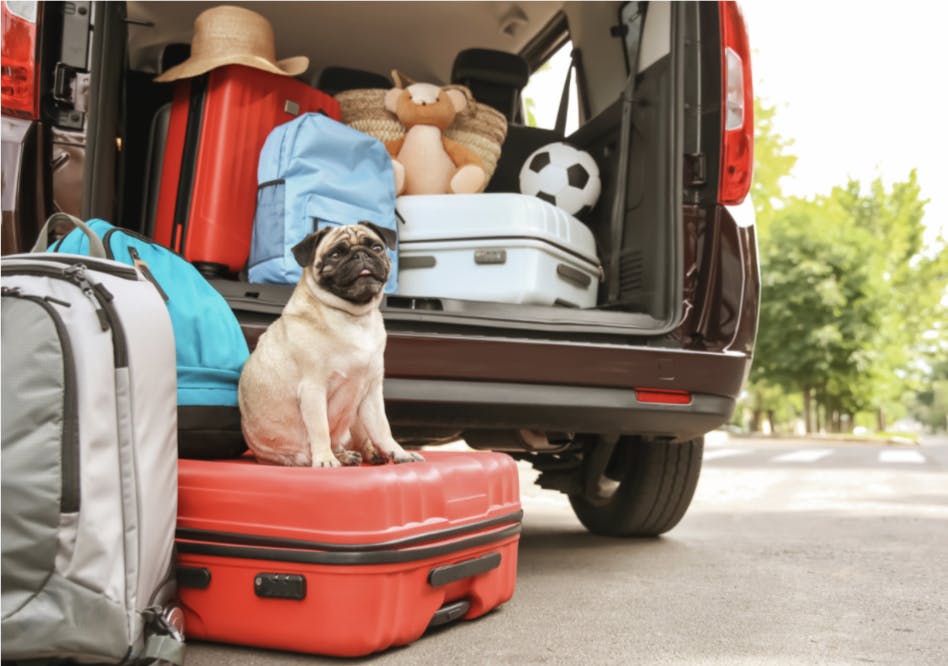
(772, 161)
(851, 295)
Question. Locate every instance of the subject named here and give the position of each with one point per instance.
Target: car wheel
(644, 489)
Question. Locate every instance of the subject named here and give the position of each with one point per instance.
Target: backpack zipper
(98, 295)
(112, 268)
(143, 268)
(136, 259)
(69, 500)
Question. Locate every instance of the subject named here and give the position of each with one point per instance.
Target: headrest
(332, 80)
(488, 66)
(172, 54)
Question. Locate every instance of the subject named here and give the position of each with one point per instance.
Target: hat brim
(197, 66)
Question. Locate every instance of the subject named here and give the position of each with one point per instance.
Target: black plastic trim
(270, 299)
(449, 613)
(452, 573)
(347, 558)
(197, 578)
(192, 136)
(233, 538)
(279, 586)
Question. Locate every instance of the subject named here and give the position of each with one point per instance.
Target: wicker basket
(479, 127)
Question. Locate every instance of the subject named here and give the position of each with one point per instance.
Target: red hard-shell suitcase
(344, 561)
(219, 122)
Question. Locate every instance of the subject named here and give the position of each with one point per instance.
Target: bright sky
(861, 87)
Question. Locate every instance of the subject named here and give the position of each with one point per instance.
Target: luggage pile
(131, 515)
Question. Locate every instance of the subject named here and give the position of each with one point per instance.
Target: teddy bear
(424, 160)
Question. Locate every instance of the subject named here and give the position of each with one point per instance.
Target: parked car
(610, 402)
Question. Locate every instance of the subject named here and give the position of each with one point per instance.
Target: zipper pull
(77, 274)
(10, 291)
(144, 270)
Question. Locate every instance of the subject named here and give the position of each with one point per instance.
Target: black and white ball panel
(562, 175)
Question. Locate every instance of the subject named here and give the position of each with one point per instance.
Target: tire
(645, 490)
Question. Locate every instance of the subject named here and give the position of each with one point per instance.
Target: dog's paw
(378, 458)
(328, 460)
(406, 457)
(349, 458)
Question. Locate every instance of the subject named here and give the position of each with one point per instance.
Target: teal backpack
(315, 172)
(209, 345)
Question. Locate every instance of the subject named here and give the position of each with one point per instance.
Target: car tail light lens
(737, 146)
(663, 396)
(18, 73)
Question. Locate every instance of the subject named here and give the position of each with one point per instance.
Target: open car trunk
(637, 140)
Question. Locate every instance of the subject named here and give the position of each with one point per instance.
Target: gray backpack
(89, 462)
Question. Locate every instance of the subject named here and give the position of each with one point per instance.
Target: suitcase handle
(96, 249)
(455, 572)
(449, 613)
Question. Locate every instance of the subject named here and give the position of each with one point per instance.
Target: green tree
(819, 306)
(772, 161)
(931, 403)
(914, 279)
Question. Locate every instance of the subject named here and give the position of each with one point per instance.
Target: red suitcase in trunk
(344, 561)
(219, 122)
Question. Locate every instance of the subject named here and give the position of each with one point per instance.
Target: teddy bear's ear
(458, 99)
(401, 79)
(391, 99)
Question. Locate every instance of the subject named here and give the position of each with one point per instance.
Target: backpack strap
(164, 642)
(96, 248)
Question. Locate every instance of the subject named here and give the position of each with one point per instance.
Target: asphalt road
(793, 552)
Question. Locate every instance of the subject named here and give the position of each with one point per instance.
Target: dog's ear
(305, 250)
(387, 235)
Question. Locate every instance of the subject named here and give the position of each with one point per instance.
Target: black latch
(695, 169)
(279, 586)
(64, 79)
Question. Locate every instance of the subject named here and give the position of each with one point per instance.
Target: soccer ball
(563, 175)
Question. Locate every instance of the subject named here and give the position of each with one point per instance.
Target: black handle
(198, 578)
(449, 613)
(461, 570)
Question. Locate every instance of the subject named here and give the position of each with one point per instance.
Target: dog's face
(350, 261)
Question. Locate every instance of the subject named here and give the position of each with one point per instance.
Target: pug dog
(311, 392)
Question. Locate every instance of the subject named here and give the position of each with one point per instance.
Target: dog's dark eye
(377, 247)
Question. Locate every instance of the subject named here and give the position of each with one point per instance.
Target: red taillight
(663, 396)
(18, 75)
(737, 145)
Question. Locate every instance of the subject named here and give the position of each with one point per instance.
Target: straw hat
(227, 35)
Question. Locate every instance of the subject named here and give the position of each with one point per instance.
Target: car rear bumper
(438, 385)
(452, 405)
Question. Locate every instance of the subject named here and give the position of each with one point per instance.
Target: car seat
(333, 80)
(497, 78)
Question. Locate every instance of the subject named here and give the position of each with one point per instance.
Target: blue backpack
(209, 344)
(315, 172)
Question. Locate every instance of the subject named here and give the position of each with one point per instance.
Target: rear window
(544, 91)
